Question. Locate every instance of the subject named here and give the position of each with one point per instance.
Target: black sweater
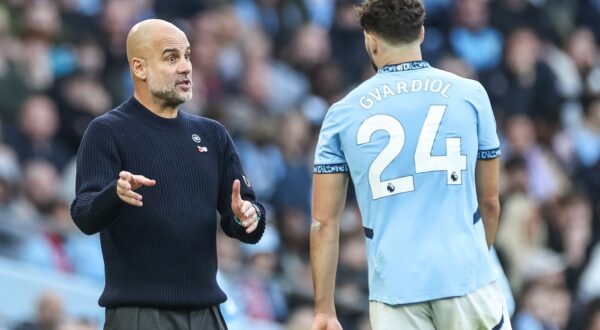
(162, 254)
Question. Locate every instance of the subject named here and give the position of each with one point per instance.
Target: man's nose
(184, 67)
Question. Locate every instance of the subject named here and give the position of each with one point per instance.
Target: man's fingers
(123, 184)
(142, 180)
(235, 193)
(125, 175)
(252, 227)
(245, 208)
(250, 213)
(128, 193)
(130, 200)
(132, 194)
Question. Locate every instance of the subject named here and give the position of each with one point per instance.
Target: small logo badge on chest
(202, 149)
(196, 138)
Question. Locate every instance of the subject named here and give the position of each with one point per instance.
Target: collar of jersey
(404, 66)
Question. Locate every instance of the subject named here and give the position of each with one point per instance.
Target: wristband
(258, 215)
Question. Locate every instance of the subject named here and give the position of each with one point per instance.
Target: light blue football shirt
(410, 137)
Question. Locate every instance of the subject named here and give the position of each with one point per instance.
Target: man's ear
(372, 43)
(139, 69)
(422, 34)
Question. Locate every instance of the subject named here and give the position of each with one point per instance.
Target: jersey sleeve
(488, 142)
(96, 204)
(232, 170)
(329, 156)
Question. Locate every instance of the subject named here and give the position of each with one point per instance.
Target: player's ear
(139, 68)
(422, 34)
(371, 43)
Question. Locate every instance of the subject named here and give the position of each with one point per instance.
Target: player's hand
(128, 183)
(242, 209)
(326, 322)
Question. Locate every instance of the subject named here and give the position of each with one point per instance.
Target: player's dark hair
(396, 21)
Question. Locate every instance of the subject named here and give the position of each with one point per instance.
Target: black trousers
(140, 318)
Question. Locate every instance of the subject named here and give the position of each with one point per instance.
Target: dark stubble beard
(169, 97)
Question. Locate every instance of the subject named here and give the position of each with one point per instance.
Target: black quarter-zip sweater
(162, 254)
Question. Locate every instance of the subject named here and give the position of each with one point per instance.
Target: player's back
(410, 137)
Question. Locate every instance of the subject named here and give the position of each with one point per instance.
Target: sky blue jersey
(410, 137)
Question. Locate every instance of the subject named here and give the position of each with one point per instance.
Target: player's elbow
(490, 205)
(322, 225)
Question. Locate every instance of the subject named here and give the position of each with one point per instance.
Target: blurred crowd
(268, 70)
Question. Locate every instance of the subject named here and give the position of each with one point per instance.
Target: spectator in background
(36, 137)
(39, 192)
(293, 190)
(273, 85)
(523, 84)
(570, 234)
(81, 98)
(13, 86)
(300, 319)
(588, 15)
(521, 235)
(583, 136)
(347, 43)
(37, 56)
(50, 314)
(259, 152)
(593, 315)
(546, 179)
(472, 38)
(277, 18)
(11, 234)
(260, 289)
(230, 277)
(543, 306)
(582, 48)
(508, 15)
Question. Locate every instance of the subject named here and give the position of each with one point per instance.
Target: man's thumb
(235, 192)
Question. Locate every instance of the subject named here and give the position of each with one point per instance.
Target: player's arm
(487, 169)
(487, 174)
(328, 201)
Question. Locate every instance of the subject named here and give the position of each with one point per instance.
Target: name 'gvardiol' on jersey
(410, 137)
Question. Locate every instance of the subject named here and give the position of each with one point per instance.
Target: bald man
(150, 180)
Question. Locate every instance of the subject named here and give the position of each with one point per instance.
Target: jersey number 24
(453, 162)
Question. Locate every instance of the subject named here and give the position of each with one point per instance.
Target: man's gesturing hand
(128, 183)
(242, 209)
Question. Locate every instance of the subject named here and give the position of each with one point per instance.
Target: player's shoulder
(353, 96)
(466, 84)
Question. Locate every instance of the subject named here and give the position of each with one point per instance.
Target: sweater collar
(145, 114)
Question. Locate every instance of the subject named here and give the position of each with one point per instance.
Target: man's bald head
(143, 36)
(159, 57)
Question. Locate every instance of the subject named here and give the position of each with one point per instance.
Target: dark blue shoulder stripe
(331, 168)
(489, 154)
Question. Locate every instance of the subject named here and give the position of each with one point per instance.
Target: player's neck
(400, 55)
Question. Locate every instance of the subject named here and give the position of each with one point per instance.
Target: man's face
(170, 69)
